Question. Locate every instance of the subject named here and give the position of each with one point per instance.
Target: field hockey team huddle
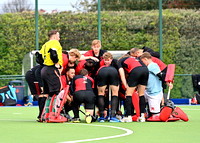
(97, 80)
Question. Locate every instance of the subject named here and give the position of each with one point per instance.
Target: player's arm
(161, 76)
(59, 52)
(88, 57)
(122, 76)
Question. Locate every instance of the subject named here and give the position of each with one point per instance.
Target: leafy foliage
(129, 5)
(120, 31)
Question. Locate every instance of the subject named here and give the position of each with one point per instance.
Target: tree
(85, 5)
(181, 4)
(129, 5)
(17, 6)
(116, 5)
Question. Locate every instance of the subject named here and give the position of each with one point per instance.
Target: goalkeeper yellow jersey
(46, 55)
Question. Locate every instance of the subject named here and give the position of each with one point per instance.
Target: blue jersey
(154, 85)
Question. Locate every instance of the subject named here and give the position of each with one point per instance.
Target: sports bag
(8, 95)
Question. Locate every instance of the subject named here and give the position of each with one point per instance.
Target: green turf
(18, 125)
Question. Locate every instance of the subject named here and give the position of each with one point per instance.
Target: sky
(49, 5)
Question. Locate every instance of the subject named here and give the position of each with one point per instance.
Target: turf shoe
(101, 119)
(75, 120)
(107, 118)
(114, 120)
(119, 117)
(94, 118)
(141, 118)
(126, 119)
(88, 117)
(38, 119)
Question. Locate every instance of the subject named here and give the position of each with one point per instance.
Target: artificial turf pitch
(18, 125)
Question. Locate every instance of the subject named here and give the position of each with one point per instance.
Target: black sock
(101, 104)
(106, 104)
(114, 105)
(128, 105)
(132, 110)
(41, 104)
(142, 104)
(75, 111)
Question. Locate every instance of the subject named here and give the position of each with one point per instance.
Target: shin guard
(135, 100)
(165, 113)
(178, 113)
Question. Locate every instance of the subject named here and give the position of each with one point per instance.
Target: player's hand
(95, 59)
(170, 85)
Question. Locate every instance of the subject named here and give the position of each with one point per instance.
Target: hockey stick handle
(168, 95)
(93, 117)
(109, 98)
(82, 112)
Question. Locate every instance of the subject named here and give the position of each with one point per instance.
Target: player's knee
(165, 113)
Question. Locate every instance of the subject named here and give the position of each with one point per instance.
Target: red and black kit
(82, 65)
(107, 76)
(137, 74)
(34, 75)
(51, 79)
(91, 53)
(65, 57)
(82, 87)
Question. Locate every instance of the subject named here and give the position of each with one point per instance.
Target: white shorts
(154, 102)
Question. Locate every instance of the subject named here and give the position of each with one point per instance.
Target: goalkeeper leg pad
(178, 113)
(165, 113)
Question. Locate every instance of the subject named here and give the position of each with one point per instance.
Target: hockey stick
(168, 94)
(169, 77)
(109, 106)
(94, 118)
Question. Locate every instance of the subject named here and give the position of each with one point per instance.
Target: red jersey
(129, 63)
(102, 63)
(161, 65)
(65, 62)
(91, 53)
(80, 82)
(64, 81)
(80, 66)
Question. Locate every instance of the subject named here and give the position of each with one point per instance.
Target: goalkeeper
(52, 54)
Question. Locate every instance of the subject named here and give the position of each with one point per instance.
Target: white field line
(128, 132)
(17, 120)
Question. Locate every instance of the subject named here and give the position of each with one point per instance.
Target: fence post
(36, 26)
(160, 30)
(99, 20)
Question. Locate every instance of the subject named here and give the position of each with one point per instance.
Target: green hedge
(120, 31)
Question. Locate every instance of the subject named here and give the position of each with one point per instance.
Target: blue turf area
(176, 101)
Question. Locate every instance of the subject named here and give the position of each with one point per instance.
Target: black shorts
(38, 75)
(30, 78)
(51, 79)
(86, 97)
(138, 75)
(107, 76)
(33, 75)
